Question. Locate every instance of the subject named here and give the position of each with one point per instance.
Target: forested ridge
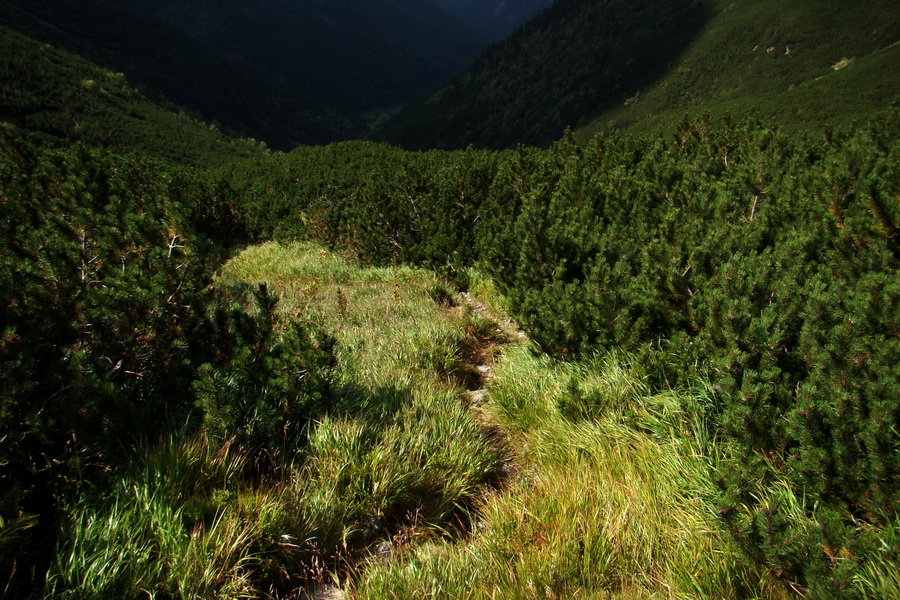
(235, 373)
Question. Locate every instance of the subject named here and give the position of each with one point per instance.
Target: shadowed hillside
(647, 65)
(494, 19)
(566, 64)
(56, 95)
(294, 73)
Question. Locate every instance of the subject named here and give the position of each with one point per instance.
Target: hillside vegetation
(750, 277)
(232, 373)
(61, 97)
(288, 73)
(592, 65)
(762, 262)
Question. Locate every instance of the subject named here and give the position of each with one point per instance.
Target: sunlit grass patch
(394, 453)
(163, 527)
(427, 464)
(614, 499)
(273, 262)
(399, 451)
(385, 319)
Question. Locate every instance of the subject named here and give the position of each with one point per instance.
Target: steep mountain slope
(575, 57)
(645, 65)
(356, 54)
(59, 96)
(287, 73)
(802, 64)
(494, 19)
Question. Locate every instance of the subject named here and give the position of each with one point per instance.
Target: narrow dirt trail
(478, 349)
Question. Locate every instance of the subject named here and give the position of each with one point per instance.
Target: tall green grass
(399, 446)
(606, 489)
(161, 531)
(395, 456)
(613, 498)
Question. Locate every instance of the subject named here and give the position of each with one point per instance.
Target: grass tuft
(614, 498)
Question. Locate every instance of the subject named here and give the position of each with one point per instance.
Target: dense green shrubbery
(107, 314)
(765, 262)
(270, 385)
(60, 96)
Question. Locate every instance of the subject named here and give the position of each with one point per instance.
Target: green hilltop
(800, 65)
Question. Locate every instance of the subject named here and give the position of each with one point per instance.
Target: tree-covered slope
(494, 19)
(562, 66)
(52, 93)
(801, 64)
(284, 72)
(590, 65)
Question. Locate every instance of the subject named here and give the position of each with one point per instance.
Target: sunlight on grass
(161, 528)
(613, 499)
(387, 326)
(397, 453)
(568, 480)
(399, 448)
